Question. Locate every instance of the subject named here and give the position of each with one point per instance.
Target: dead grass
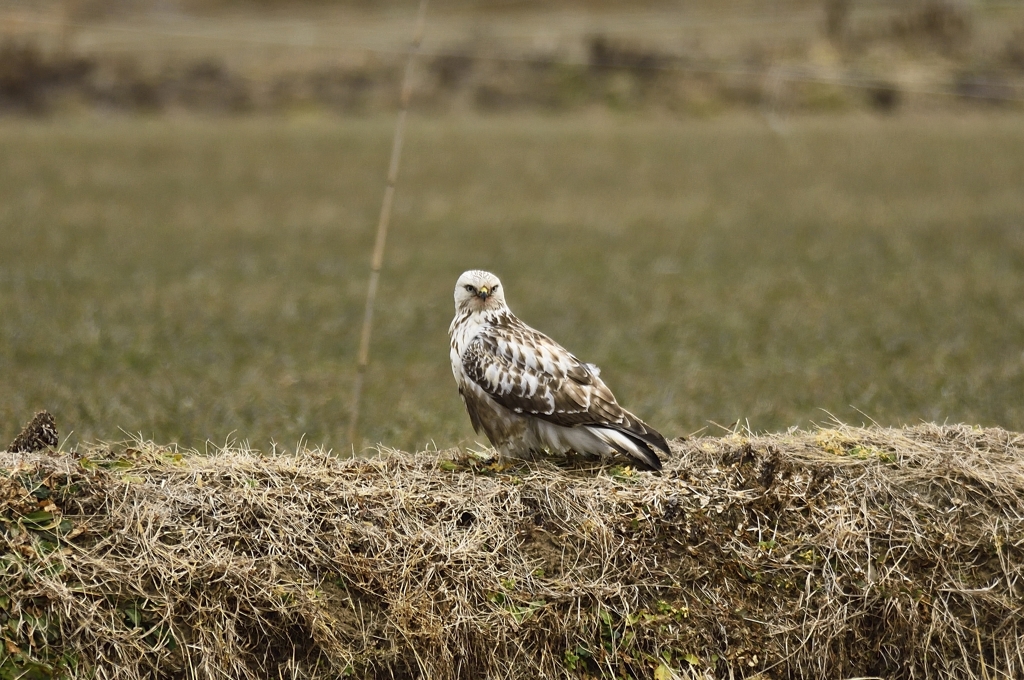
(839, 552)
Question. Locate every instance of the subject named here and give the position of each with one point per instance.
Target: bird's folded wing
(529, 373)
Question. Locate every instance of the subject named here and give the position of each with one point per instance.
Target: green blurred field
(204, 279)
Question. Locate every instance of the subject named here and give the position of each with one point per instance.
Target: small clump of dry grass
(831, 553)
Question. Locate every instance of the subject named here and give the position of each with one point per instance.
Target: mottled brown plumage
(38, 434)
(528, 393)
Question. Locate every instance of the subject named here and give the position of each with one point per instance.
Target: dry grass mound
(832, 553)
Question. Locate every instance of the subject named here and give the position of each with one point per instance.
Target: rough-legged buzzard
(527, 393)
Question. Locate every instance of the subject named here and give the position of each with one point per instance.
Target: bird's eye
(470, 288)
(494, 287)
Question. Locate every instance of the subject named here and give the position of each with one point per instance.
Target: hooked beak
(483, 293)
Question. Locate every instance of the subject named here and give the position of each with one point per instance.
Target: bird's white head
(478, 291)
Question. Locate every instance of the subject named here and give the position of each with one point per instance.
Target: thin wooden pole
(377, 260)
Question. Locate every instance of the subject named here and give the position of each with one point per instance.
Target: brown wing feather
(528, 372)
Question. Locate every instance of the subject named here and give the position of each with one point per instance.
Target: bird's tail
(638, 442)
